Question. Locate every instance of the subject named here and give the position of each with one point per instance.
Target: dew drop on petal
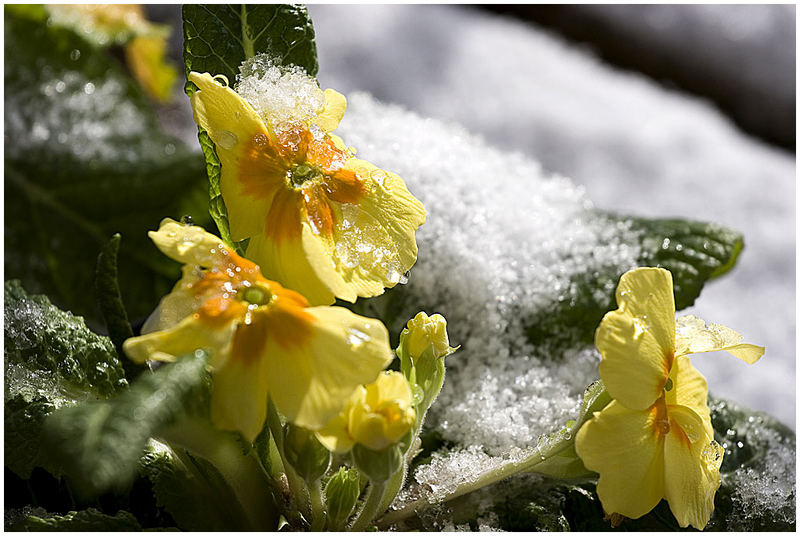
(227, 139)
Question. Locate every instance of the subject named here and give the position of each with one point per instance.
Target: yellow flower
(320, 221)
(265, 340)
(424, 331)
(376, 416)
(125, 24)
(655, 439)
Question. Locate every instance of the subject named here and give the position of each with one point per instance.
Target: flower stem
(371, 506)
(300, 495)
(318, 515)
(243, 473)
(486, 479)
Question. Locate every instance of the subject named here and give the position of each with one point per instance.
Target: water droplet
(261, 140)
(227, 139)
(169, 149)
(88, 88)
(75, 54)
(639, 327)
(221, 79)
(378, 176)
(356, 338)
(60, 86)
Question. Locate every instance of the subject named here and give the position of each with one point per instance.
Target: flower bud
(378, 465)
(376, 416)
(342, 493)
(424, 331)
(303, 451)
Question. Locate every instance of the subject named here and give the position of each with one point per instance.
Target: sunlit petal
(625, 447)
(694, 336)
(333, 111)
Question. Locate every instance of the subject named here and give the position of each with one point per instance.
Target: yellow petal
(334, 435)
(332, 112)
(691, 469)
(295, 264)
(181, 302)
(689, 389)
(623, 446)
(636, 341)
(146, 58)
(311, 380)
(190, 334)
(189, 244)
(239, 135)
(694, 337)
(239, 394)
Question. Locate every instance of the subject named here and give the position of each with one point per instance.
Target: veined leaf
(85, 158)
(51, 360)
(98, 444)
(218, 38)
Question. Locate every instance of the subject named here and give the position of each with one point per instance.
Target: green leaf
(191, 490)
(693, 251)
(90, 520)
(51, 360)
(99, 443)
(85, 158)
(109, 298)
(218, 38)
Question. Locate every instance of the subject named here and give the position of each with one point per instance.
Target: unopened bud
(307, 456)
(425, 331)
(342, 493)
(378, 465)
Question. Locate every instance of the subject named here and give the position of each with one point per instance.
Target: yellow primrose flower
(655, 439)
(265, 340)
(423, 331)
(376, 416)
(124, 24)
(320, 221)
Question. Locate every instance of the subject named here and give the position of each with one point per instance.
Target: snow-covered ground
(636, 147)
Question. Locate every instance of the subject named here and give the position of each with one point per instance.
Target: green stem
(371, 506)
(318, 515)
(299, 493)
(490, 477)
(243, 473)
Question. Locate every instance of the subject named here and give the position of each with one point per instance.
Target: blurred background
(658, 111)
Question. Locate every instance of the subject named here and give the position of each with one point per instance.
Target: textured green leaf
(85, 158)
(218, 38)
(99, 443)
(51, 360)
(693, 251)
(192, 491)
(90, 520)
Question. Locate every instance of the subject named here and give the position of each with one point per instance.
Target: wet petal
(636, 341)
(251, 167)
(332, 112)
(689, 389)
(189, 244)
(181, 302)
(210, 328)
(313, 375)
(624, 447)
(692, 465)
(694, 337)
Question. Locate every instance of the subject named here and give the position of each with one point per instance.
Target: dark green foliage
(90, 520)
(218, 38)
(85, 158)
(98, 444)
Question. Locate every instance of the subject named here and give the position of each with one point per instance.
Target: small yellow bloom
(376, 416)
(655, 439)
(424, 331)
(124, 24)
(265, 340)
(320, 221)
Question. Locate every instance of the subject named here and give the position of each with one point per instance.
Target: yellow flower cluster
(655, 440)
